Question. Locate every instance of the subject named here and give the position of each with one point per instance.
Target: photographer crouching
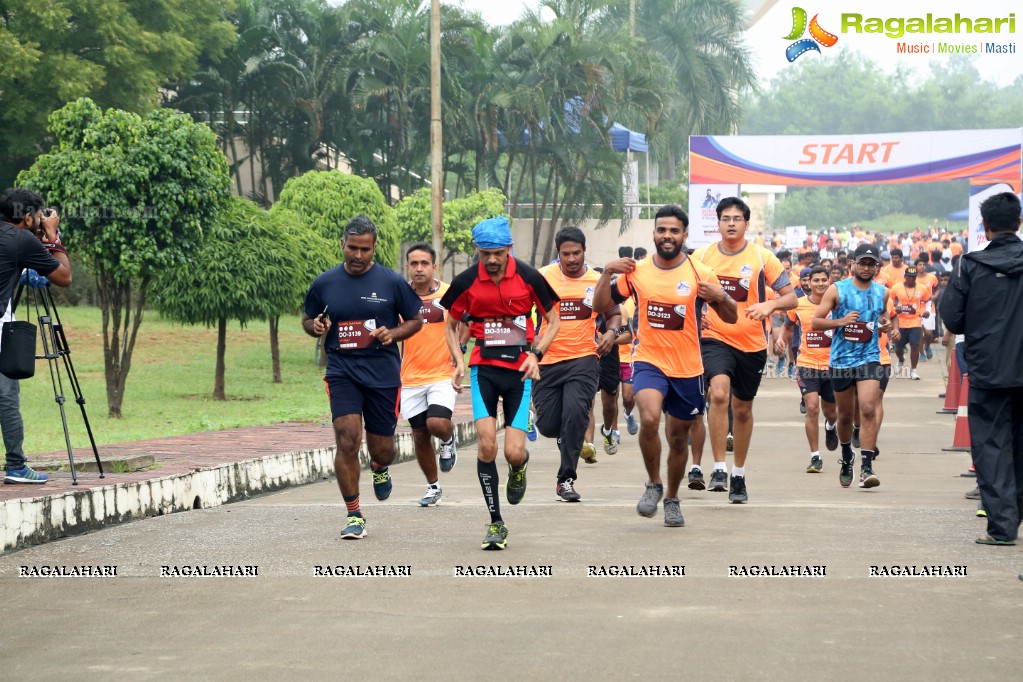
(28, 239)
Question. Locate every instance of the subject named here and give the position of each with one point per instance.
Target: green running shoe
(496, 537)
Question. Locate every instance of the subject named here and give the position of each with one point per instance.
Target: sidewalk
(192, 471)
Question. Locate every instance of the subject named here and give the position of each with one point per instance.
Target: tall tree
(118, 52)
(135, 194)
(245, 270)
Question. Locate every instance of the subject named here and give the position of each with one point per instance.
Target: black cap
(910, 272)
(867, 251)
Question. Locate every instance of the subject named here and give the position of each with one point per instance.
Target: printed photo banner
(882, 158)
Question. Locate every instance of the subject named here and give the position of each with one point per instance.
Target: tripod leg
(62, 348)
(51, 355)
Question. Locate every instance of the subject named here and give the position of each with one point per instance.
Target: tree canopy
(135, 194)
(117, 52)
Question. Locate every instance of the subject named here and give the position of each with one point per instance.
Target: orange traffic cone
(961, 440)
(952, 390)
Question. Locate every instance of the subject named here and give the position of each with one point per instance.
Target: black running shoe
(718, 481)
(737, 490)
(845, 474)
(696, 480)
(566, 491)
(516, 487)
(816, 464)
(830, 437)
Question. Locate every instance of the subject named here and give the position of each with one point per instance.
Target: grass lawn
(170, 384)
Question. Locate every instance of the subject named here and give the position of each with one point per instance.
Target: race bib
(905, 309)
(355, 334)
(737, 288)
(665, 316)
(576, 309)
(859, 332)
(818, 339)
(505, 332)
(432, 312)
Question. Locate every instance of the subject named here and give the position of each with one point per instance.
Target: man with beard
(857, 308)
(498, 295)
(570, 369)
(427, 397)
(363, 374)
(734, 354)
(670, 290)
(812, 367)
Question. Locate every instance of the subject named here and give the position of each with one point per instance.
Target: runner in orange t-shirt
(812, 368)
(912, 304)
(427, 396)
(734, 355)
(893, 274)
(570, 368)
(670, 290)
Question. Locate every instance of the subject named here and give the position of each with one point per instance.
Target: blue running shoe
(355, 528)
(530, 427)
(448, 455)
(382, 483)
(25, 475)
(631, 423)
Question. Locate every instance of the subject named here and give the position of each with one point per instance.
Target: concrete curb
(33, 521)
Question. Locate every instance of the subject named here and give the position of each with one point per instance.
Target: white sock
(829, 426)
(435, 485)
(605, 432)
(815, 453)
(738, 471)
(628, 414)
(696, 468)
(721, 466)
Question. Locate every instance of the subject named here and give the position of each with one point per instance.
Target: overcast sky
(768, 45)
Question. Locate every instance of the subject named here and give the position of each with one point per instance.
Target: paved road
(434, 625)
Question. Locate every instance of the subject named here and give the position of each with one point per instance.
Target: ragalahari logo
(817, 35)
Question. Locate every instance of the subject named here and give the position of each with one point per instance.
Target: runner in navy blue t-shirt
(361, 310)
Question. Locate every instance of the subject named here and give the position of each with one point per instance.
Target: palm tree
(702, 42)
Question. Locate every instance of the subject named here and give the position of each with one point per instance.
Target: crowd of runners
(684, 337)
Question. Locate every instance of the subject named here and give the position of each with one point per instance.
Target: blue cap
(492, 233)
(805, 272)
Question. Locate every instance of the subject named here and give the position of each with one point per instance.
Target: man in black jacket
(985, 302)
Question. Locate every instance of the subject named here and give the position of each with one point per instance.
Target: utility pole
(436, 140)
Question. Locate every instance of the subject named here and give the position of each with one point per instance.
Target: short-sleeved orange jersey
(814, 346)
(891, 275)
(957, 249)
(745, 276)
(425, 358)
(928, 279)
(575, 337)
(910, 304)
(882, 338)
(668, 313)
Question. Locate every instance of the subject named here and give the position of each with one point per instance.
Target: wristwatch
(537, 352)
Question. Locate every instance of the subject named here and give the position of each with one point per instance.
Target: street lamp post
(436, 139)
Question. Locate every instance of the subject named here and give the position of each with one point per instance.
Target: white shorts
(416, 399)
(929, 322)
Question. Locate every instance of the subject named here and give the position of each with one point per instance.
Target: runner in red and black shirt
(497, 295)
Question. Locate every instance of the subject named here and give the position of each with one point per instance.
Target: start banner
(880, 158)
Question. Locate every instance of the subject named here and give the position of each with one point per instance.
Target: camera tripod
(57, 354)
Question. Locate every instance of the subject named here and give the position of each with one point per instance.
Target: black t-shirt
(20, 249)
(356, 306)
